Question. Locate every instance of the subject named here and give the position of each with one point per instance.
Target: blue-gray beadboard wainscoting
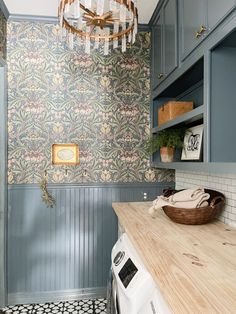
(64, 252)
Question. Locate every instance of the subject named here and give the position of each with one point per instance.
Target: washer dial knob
(118, 258)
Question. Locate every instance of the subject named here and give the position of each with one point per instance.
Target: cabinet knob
(160, 76)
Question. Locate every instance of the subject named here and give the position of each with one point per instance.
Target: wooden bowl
(198, 216)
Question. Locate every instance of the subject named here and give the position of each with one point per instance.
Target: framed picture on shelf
(65, 154)
(192, 146)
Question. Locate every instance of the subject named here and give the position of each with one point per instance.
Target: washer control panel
(127, 272)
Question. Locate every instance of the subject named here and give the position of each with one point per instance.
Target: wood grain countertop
(193, 266)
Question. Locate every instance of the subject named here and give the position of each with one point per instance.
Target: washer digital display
(127, 272)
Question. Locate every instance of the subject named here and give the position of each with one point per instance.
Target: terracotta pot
(167, 154)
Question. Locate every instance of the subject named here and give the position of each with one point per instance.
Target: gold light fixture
(95, 23)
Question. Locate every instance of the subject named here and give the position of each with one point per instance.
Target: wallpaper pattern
(60, 96)
(3, 35)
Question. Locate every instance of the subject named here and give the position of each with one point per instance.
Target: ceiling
(49, 8)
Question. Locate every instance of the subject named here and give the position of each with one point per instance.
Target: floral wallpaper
(60, 96)
(3, 32)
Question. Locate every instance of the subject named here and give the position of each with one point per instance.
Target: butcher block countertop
(193, 266)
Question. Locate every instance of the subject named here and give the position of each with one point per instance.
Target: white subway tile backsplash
(234, 209)
(230, 188)
(228, 181)
(230, 202)
(228, 209)
(225, 184)
(232, 216)
(227, 194)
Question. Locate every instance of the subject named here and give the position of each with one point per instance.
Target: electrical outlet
(145, 196)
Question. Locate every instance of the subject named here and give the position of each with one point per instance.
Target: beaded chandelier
(94, 23)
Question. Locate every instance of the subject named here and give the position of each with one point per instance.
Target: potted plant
(167, 141)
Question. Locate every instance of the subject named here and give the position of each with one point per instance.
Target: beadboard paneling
(65, 248)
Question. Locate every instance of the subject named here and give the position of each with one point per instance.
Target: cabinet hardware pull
(202, 29)
(198, 35)
(160, 76)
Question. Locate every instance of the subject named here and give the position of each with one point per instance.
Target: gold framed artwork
(65, 154)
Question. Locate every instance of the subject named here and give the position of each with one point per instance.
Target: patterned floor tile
(99, 311)
(101, 303)
(18, 309)
(55, 308)
(97, 306)
(100, 306)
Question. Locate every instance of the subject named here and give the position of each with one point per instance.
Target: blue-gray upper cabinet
(217, 9)
(198, 18)
(164, 42)
(157, 35)
(170, 57)
(193, 24)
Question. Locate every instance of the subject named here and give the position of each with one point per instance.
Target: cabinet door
(217, 9)
(193, 16)
(169, 36)
(157, 57)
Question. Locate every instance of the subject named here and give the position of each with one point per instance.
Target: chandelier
(99, 23)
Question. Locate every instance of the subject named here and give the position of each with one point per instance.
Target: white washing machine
(133, 289)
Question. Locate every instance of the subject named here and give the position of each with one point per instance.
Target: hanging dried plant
(47, 198)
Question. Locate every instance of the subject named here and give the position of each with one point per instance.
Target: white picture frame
(192, 145)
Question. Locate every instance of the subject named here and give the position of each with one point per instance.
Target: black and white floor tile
(97, 306)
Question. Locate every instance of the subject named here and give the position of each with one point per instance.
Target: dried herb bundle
(47, 198)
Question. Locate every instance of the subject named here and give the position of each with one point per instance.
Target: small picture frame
(192, 146)
(65, 154)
